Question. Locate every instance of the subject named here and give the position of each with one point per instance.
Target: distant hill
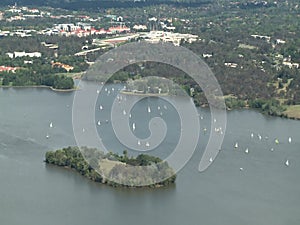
(87, 4)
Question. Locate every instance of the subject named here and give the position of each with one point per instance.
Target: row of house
(8, 69)
(83, 30)
(66, 67)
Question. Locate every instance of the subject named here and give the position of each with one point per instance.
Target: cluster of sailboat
(252, 135)
(276, 141)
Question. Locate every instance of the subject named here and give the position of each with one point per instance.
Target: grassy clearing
(247, 46)
(107, 165)
(292, 111)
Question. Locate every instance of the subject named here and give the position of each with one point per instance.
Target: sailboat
(51, 125)
(287, 163)
(259, 136)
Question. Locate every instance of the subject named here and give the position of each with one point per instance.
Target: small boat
(272, 149)
(259, 136)
(98, 91)
(215, 120)
(130, 115)
(147, 144)
(290, 139)
(165, 107)
(124, 112)
(105, 89)
(236, 145)
(149, 110)
(158, 107)
(276, 141)
(51, 125)
(99, 123)
(287, 163)
(133, 126)
(201, 117)
(210, 159)
(139, 142)
(47, 136)
(112, 89)
(83, 130)
(252, 135)
(100, 107)
(247, 151)
(241, 169)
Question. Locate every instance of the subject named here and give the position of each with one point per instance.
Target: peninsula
(113, 169)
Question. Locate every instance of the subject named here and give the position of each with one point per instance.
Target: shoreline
(285, 114)
(142, 94)
(41, 86)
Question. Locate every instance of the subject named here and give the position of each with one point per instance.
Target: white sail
(287, 163)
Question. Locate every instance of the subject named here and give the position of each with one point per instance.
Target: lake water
(32, 193)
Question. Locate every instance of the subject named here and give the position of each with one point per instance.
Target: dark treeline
(104, 4)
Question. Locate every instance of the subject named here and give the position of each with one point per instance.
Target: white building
(24, 54)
